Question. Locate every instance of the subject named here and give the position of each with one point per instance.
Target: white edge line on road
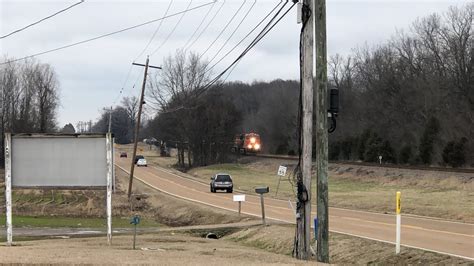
(412, 216)
(280, 220)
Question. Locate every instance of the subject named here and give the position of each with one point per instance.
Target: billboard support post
(110, 166)
(8, 189)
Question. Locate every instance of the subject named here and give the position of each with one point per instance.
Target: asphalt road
(440, 236)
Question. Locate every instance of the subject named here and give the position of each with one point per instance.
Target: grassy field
(74, 222)
(448, 198)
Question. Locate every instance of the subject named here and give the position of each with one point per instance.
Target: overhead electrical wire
(223, 29)
(207, 26)
(142, 52)
(41, 20)
(154, 33)
(259, 37)
(172, 31)
(268, 27)
(245, 37)
(235, 30)
(200, 24)
(106, 35)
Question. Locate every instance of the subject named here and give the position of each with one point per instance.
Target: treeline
(29, 97)
(123, 120)
(199, 122)
(410, 100)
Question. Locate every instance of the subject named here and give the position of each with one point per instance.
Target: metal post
(110, 118)
(134, 235)
(278, 185)
(399, 222)
(240, 206)
(110, 165)
(8, 189)
(321, 130)
(263, 209)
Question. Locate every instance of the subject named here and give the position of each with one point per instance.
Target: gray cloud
(92, 74)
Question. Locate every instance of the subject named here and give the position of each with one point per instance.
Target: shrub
(454, 153)
(334, 150)
(405, 154)
(427, 140)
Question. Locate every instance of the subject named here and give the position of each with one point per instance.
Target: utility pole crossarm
(136, 64)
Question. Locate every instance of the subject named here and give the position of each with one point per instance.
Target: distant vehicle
(247, 143)
(123, 155)
(142, 162)
(221, 181)
(138, 157)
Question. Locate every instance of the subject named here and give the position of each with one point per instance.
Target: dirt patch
(162, 249)
(343, 249)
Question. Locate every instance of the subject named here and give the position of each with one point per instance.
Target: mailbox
(262, 190)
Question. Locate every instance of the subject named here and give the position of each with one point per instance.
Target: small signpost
(239, 199)
(135, 221)
(261, 191)
(281, 172)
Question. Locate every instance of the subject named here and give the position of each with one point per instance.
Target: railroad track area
(409, 167)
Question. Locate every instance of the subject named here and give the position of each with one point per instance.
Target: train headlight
(257, 146)
(249, 146)
(252, 140)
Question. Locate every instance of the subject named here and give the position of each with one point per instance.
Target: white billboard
(58, 161)
(69, 161)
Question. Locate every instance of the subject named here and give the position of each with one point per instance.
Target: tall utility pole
(137, 125)
(321, 131)
(303, 222)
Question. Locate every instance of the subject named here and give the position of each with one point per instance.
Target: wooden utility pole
(303, 217)
(137, 125)
(321, 131)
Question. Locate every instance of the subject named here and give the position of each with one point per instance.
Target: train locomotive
(247, 143)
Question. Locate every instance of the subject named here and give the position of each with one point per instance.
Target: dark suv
(221, 181)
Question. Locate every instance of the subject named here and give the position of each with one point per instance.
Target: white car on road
(141, 162)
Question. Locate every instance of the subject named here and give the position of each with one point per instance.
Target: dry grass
(342, 249)
(442, 195)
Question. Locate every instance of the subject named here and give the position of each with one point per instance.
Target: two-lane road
(446, 237)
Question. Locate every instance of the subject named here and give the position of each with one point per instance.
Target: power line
(259, 37)
(105, 35)
(200, 24)
(235, 30)
(172, 31)
(207, 25)
(43, 19)
(248, 34)
(268, 27)
(140, 54)
(154, 33)
(222, 31)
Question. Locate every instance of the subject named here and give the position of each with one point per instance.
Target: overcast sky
(92, 74)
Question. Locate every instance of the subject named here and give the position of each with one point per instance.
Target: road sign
(239, 197)
(135, 220)
(282, 170)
